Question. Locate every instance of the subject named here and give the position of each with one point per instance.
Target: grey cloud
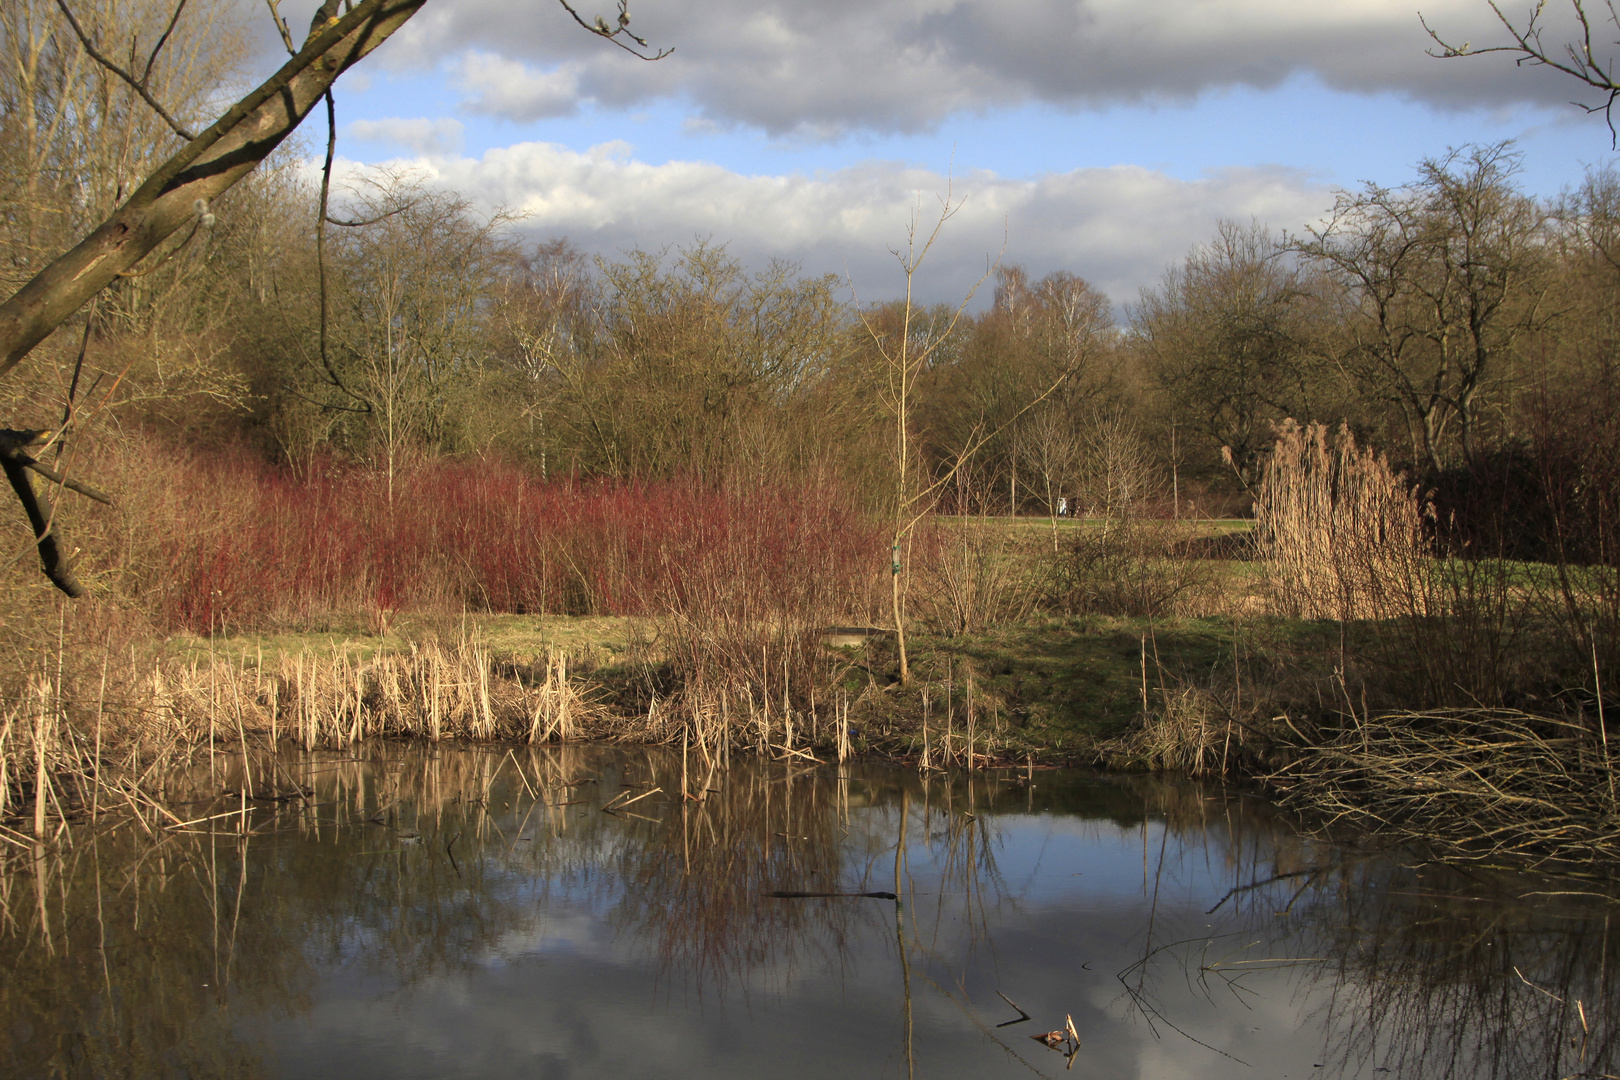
(819, 69)
(514, 90)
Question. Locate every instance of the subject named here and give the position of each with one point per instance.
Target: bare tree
(905, 347)
(415, 283)
(1443, 279)
(1033, 333)
(545, 328)
(1226, 338)
(905, 351)
(1052, 442)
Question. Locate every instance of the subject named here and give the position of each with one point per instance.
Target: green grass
(1026, 522)
(1055, 687)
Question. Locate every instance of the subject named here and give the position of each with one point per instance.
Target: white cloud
(1117, 227)
(821, 68)
(516, 91)
(427, 138)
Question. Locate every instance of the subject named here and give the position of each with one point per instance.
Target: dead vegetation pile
(1483, 784)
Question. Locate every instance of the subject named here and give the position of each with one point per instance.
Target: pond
(411, 912)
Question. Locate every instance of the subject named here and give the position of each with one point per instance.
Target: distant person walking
(1063, 507)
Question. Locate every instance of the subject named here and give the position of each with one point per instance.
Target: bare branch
(1580, 60)
(320, 253)
(207, 165)
(15, 461)
(975, 445)
(330, 220)
(613, 33)
(138, 85)
(146, 76)
(281, 27)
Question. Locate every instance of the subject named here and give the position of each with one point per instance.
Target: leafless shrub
(748, 601)
(1130, 566)
(973, 574)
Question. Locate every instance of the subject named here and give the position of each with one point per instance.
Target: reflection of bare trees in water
(1425, 971)
(1446, 974)
(696, 889)
(1428, 971)
(120, 955)
(139, 950)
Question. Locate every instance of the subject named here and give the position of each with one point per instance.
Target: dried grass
(61, 761)
(1483, 783)
(1193, 729)
(1342, 534)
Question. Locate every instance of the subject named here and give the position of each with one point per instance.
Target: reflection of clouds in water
(561, 993)
(1278, 1027)
(1040, 856)
(557, 929)
(608, 1019)
(615, 949)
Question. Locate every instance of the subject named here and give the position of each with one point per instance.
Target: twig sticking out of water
(1022, 1015)
(615, 804)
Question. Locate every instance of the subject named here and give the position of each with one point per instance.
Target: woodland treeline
(1457, 323)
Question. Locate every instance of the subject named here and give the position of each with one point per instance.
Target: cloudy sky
(1102, 137)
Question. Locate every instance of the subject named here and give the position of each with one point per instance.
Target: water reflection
(569, 912)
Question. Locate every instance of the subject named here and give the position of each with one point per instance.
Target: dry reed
(58, 763)
(1192, 729)
(1483, 783)
(1342, 533)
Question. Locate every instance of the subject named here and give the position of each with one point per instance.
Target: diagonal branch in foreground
(203, 169)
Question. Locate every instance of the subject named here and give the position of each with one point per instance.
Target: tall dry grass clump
(1342, 534)
(67, 754)
(1193, 729)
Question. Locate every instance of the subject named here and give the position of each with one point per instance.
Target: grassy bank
(1261, 699)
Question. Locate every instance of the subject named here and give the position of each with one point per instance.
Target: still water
(437, 912)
